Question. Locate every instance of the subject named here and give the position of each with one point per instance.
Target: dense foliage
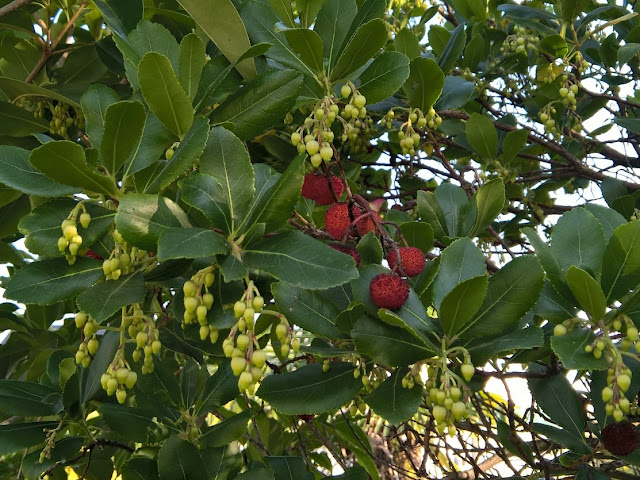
(251, 239)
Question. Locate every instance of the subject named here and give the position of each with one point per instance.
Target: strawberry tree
(322, 239)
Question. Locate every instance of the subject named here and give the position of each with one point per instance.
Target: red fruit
(337, 221)
(388, 290)
(92, 254)
(412, 260)
(349, 250)
(620, 438)
(316, 188)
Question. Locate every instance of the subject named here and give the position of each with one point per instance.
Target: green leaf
(192, 60)
(18, 122)
(418, 234)
(288, 468)
(385, 76)
(226, 29)
(17, 436)
(133, 424)
(578, 240)
(122, 16)
(460, 261)
(308, 309)
(95, 102)
(42, 225)
(570, 349)
(370, 250)
(558, 400)
(227, 431)
(141, 219)
(514, 142)
(588, 292)
(553, 45)
(431, 213)
(631, 124)
(123, 125)
(276, 204)
(103, 300)
(140, 468)
(461, 303)
(425, 83)
(190, 243)
(260, 104)
(453, 49)
(365, 43)
(392, 401)
(489, 199)
(48, 281)
(295, 255)
(226, 159)
(180, 460)
(256, 474)
(568, 439)
(16, 172)
(163, 93)
(586, 472)
(185, 156)
(332, 24)
(63, 451)
(310, 390)
(455, 207)
(388, 345)
(65, 162)
(283, 9)
(621, 270)
(482, 135)
(406, 42)
(513, 291)
(156, 138)
(482, 350)
(27, 399)
(456, 92)
(219, 389)
(15, 88)
(205, 194)
(307, 44)
(608, 218)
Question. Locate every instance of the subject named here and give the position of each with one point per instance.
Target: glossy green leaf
(288, 468)
(134, 424)
(16, 172)
(461, 303)
(256, 474)
(489, 199)
(456, 92)
(621, 270)
(308, 45)
(220, 388)
(227, 431)
(486, 347)
(297, 256)
(553, 45)
(392, 401)
(418, 234)
(122, 16)
(141, 219)
(570, 350)
(156, 138)
(48, 281)
(123, 126)
(164, 94)
(190, 243)
(18, 122)
(226, 29)
(431, 213)
(27, 399)
(140, 468)
(95, 102)
(588, 292)
(578, 240)
(407, 43)
(482, 135)
(386, 74)
(365, 43)
(185, 156)
(180, 460)
(453, 49)
(16, 88)
(65, 162)
(226, 159)
(259, 104)
(425, 83)
(514, 142)
(310, 310)
(332, 24)
(512, 292)
(204, 193)
(283, 9)
(106, 298)
(460, 261)
(192, 60)
(608, 218)
(456, 209)
(310, 390)
(17, 436)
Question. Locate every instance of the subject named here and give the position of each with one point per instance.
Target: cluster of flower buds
(198, 300)
(118, 379)
(90, 344)
(70, 241)
(122, 260)
(411, 132)
(143, 331)
(520, 41)
(618, 382)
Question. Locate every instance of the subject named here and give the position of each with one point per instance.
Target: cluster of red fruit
(387, 290)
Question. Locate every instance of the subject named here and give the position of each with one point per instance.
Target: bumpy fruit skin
(316, 188)
(412, 260)
(620, 438)
(349, 250)
(388, 290)
(337, 221)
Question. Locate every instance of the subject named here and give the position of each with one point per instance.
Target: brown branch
(13, 6)
(98, 443)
